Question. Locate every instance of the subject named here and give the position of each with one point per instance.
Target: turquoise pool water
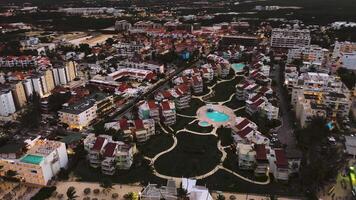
(217, 116)
(32, 159)
(238, 67)
(203, 124)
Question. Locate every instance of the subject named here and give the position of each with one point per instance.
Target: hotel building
(39, 164)
(81, 114)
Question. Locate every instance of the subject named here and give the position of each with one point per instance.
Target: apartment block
(313, 54)
(7, 103)
(318, 94)
(81, 114)
(288, 38)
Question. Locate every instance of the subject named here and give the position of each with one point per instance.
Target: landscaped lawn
(181, 123)
(156, 144)
(195, 104)
(225, 181)
(234, 103)
(141, 174)
(225, 136)
(193, 155)
(224, 90)
(197, 128)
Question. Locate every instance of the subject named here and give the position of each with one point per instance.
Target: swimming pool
(204, 124)
(238, 67)
(216, 116)
(32, 159)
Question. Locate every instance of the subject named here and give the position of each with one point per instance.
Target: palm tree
(106, 185)
(182, 193)
(220, 197)
(71, 193)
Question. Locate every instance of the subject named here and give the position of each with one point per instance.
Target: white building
(288, 38)
(39, 164)
(313, 54)
(7, 104)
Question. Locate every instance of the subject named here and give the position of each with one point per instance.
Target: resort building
(37, 165)
(246, 155)
(246, 132)
(220, 66)
(149, 110)
(289, 38)
(81, 114)
(207, 73)
(168, 112)
(262, 163)
(139, 130)
(181, 96)
(107, 154)
(279, 165)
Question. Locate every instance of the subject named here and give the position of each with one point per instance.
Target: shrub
(44, 193)
(96, 191)
(87, 191)
(115, 195)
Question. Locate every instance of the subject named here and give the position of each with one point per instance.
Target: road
(285, 133)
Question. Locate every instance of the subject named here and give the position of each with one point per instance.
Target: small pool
(216, 116)
(32, 159)
(204, 124)
(238, 67)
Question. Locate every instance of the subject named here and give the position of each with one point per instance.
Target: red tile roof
(138, 124)
(256, 97)
(165, 105)
(242, 124)
(109, 149)
(261, 152)
(244, 132)
(152, 105)
(258, 103)
(98, 144)
(281, 159)
(123, 124)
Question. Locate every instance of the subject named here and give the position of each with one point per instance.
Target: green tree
(31, 117)
(319, 156)
(71, 193)
(348, 77)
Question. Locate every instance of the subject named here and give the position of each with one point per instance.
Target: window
(34, 171)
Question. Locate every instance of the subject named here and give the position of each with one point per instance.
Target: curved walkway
(213, 132)
(247, 179)
(187, 116)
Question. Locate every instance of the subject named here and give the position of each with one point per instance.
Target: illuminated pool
(32, 159)
(204, 124)
(216, 116)
(238, 67)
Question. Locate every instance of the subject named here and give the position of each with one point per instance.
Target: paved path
(187, 116)
(247, 179)
(219, 146)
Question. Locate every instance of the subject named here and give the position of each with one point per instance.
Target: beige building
(37, 165)
(19, 95)
(49, 80)
(71, 70)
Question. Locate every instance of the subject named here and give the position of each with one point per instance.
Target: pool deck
(201, 115)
